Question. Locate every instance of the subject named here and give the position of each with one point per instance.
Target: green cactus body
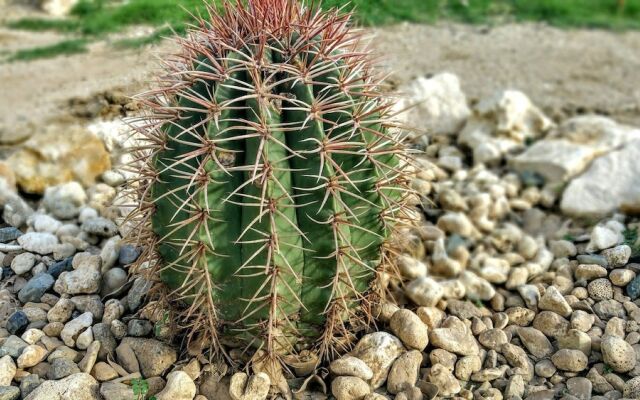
(274, 182)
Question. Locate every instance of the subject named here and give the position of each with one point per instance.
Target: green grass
(73, 46)
(93, 19)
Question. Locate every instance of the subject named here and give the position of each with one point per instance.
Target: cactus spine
(269, 182)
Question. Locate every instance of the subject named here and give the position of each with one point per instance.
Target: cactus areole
(270, 179)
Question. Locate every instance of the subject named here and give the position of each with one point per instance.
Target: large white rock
(502, 123)
(77, 387)
(568, 150)
(611, 183)
(58, 8)
(436, 105)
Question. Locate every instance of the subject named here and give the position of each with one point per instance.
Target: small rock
(38, 242)
(348, 388)
(407, 326)
(553, 300)
(9, 234)
(31, 356)
(535, 341)
(74, 327)
(351, 366)
(447, 384)
(46, 223)
(617, 353)
(378, 350)
(603, 238)
(128, 254)
(138, 292)
(580, 387)
(61, 368)
(256, 387)
(424, 291)
(117, 391)
(22, 263)
(600, 289)
(455, 337)
(632, 388)
(77, 387)
(9, 393)
(103, 372)
(621, 277)
(17, 323)
(7, 370)
(570, 360)
(154, 356)
(100, 227)
(13, 346)
(404, 372)
(36, 288)
(90, 357)
(179, 386)
(79, 281)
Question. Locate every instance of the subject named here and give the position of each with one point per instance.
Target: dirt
(563, 71)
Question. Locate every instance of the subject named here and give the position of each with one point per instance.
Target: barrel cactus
(271, 177)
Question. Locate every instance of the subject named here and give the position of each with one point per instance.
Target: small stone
(9, 393)
(407, 326)
(109, 253)
(7, 370)
(74, 327)
(580, 387)
(38, 242)
(13, 346)
(424, 291)
(46, 223)
(454, 336)
(582, 320)
(100, 227)
(61, 368)
(553, 300)
(493, 338)
(103, 372)
(9, 234)
(59, 267)
(618, 354)
(349, 388)
(102, 334)
(139, 327)
(35, 288)
(617, 256)
(84, 339)
(28, 384)
(77, 386)
(256, 387)
(90, 357)
(31, 355)
(22, 263)
(545, 368)
(600, 289)
(404, 372)
(61, 311)
(603, 238)
(117, 391)
(466, 366)
(179, 386)
(515, 387)
(89, 303)
(17, 323)
(621, 277)
(590, 272)
(351, 366)
(535, 341)
(113, 280)
(79, 281)
(476, 287)
(447, 384)
(128, 254)
(138, 292)
(127, 358)
(632, 388)
(633, 288)
(551, 324)
(570, 360)
(154, 356)
(378, 350)
(32, 336)
(64, 201)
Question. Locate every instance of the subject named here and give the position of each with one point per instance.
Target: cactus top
(269, 179)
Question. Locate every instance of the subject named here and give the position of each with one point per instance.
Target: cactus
(270, 178)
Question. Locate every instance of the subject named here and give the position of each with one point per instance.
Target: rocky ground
(520, 282)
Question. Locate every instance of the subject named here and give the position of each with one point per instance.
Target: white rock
(255, 387)
(22, 263)
(77, 387)
(435, 104)
(602, 238)
(110, 253)
(32, 336)
(64, 201)
(378, 350)
(566, 151)
(31, 356)
(611, 183)
(500, 124)
(351, 366)
(424, 291)
(477, 288)
(45, 223)
(38, 242)
(179, 386)
(7, 370)
(73, 328)
(58, 8)
(79, 281)
(84, 339)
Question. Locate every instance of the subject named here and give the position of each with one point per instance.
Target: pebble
(349, 388)
(551, 324)
(351, 366)
(254, 387)
(580, 387)
(100, 227)
(155, 357)
(13, 346)
(9, 393)
(128, 254)
(570, 360)
(113, 280)
(17, 323)
(61, 368)
(602, 238)
(32, 336)
(179, 386)
(103, 372)
(9, 234)
(404, 372)
(600, 289)
(64, 201)
(31, 356)
(455, 337)
(553, 300)
(407, 326)
(139, 327)
(79, 281)
(476, 287)
(7, 370)
(59, 267)
(88, 361)
(617, 353)
(632, 388)
(633, 288)
(61, 311)
(424, 291)
(74, 327)
(617, 256)
(46, 223)
(36, 288)
(38, 242)
(22, 263)
(535, 341)
(621, 277)
(78, 386)
(440, 376)
(378, 350)
(116, 391)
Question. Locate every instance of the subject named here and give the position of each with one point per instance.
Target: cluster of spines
(239, 73)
